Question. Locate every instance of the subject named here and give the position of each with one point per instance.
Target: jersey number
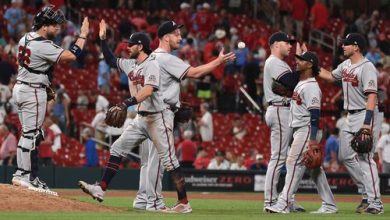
(24, 55)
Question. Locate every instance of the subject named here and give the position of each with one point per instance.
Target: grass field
(203, 209)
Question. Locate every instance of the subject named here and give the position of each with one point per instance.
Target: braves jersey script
(172, 70)
(274, 68)
(357, 79)
(139, 75)
(38, 54)
(306, 96)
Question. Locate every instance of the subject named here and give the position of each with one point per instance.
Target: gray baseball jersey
(274, 68)
(140, 75)
(355, 83)
(358, 79)
(38, 54)
(276, 118)
(306, 96)
(172, 70)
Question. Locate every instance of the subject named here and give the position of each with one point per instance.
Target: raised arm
(78, 46)
(326, 75)
(109, 57)
(199, 71)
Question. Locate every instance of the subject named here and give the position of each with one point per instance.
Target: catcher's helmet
(48, 16)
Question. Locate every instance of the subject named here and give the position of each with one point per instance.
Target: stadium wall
(197, 180)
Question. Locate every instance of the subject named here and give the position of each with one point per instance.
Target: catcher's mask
(48, 16)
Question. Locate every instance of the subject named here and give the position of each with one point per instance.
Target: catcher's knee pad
(28, 151)
(34, 136)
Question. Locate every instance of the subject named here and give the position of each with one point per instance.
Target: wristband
(130, 101)
(368, 118)
(76, 50)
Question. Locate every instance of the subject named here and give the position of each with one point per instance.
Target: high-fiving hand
(223, 58)
(84, 28)
(102, 29)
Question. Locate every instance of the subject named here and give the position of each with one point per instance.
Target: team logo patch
(152, 78)
(315, 101)
(371, 84)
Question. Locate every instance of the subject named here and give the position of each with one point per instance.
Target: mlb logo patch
(152, 78)
(315, 100)
(371, 84)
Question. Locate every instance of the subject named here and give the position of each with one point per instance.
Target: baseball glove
(51, 95)
(312, 158)
(280, 89)
(362, 141)
(116, 116)
(184, 113)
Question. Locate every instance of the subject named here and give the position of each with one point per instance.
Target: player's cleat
(180, 208)
(160, 209)
(375, 211)
(20, 180)
(277, 209)
(36, 185)
(295, 207)
(375, 208)
(93, 190)
(39, 184)
(139, 206)
(325, 210)
(362, 206)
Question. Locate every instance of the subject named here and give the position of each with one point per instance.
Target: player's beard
(51, 35)
(174, 45)
(348, 54)
(134, 54)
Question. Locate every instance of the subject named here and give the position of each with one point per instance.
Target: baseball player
(276, 116)
(304, 120)
(36, 56)
(359, 80)
(172, 71)
(144, 84)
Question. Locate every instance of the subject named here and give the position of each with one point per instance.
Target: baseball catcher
(312, 158)
(362, 141)
(280, 89)
(184, 113)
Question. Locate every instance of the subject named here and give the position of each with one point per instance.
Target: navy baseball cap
(167, 27)
(310, 57)
(140, 38)
(355, 39)
(280, 36)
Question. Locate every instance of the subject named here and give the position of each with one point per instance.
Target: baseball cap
(167, 27)
(310, 57)
(259, 156)
(140, 38)
(280, 36)
(355, 39)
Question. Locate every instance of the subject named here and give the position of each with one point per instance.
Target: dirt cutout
(15, 198)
